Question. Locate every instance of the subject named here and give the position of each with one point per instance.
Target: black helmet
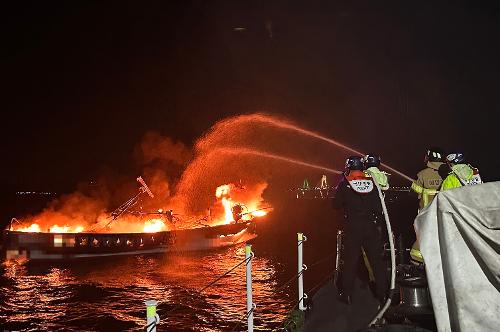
(354, 163)
(456, 158)
(434, 154)
(371, 160)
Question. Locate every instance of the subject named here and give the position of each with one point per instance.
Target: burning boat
(160, 233)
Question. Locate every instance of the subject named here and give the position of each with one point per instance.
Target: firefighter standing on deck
(428, 179)
(358, 197)
(461, 174)
(372, 164)
(427, 186)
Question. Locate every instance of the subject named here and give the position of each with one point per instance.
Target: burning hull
(70, 246)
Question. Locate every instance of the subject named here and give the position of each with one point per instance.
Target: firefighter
(427, 186)
(429, 179)
(361, 204)
(371, 163)
(462, 174)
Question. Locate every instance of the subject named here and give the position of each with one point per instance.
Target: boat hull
(71, 246)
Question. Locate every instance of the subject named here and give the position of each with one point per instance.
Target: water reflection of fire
(234, 203)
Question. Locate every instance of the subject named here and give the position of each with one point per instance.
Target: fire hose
(393, 257)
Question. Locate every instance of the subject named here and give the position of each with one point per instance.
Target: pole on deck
(152, 318)
(250, 305)
(338, 259)
(301, 268)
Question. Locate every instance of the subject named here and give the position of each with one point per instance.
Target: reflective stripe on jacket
(427, 183)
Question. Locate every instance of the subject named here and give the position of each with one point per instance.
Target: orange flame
(59, 229)
(33, 228)
(259, 213)
(249, 201)
(154, 225)
(234, 203)
(223, 193)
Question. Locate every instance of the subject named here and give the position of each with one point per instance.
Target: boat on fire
(43, 246)
(61, 243)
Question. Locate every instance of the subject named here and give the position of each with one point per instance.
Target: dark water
(109, 294)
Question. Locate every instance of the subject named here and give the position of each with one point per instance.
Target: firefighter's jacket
(428, 183)
(379, 176)
(461, 175)
(359, 203)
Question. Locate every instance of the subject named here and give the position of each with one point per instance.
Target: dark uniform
(361, 210)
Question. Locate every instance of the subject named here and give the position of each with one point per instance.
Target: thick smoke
(162, 161)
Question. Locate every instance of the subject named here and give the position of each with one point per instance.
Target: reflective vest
(379, 176)
(461, 175)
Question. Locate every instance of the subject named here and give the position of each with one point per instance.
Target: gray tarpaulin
(459, 236)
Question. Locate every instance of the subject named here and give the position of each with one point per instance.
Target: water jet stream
(278, 123)
(273, 156)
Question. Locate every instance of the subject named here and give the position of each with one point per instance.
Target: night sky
(84, 81)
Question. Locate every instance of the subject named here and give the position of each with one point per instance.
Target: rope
(251, 310)
(151, 325)
(289, 281)
(322, 260)
(296, 303)
(295, 276)
(246, 260)
(245, 317)
(310, 290)
(328, 276)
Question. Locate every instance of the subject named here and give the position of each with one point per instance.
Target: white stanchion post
(301, 268)
(250, 305)
(338, 258)
(152, 317)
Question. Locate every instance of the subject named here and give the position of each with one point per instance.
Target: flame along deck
(69, 246)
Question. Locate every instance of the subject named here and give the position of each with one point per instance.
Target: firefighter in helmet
(357, 195)
(429, 179)
(462, 174)
(371, 163)
(427, 186)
